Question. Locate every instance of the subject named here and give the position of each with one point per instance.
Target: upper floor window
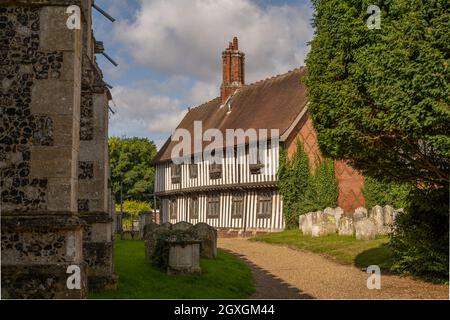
(264, 209)
(215, 171)
(213, 206)
(193, 171)
(237, 206)
(175, 172)
(256, 168)
(173, 208)
(193, 207)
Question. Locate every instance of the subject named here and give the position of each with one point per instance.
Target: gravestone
(389, 214)
(183, 226)
(337, 213)
(152, 232)
(365, 229)
(378, 217)
(184, 257)
(208, 237)
(323, 224)
(360, 214)
(306, 223)
(145, 217)
(346, 227)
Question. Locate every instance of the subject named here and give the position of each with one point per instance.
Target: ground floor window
(173, 208)
(264, 205)
(213, 206)
(193, 207)
(237, 205)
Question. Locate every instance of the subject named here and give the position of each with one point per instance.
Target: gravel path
(281, 272)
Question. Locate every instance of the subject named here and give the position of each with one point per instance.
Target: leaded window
(193, 207)
(264, 205)
(213, 206)
(175, 171)
(173, 208)
(237, 205)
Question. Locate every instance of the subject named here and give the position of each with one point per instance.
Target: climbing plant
(322, 191)
(303, 191)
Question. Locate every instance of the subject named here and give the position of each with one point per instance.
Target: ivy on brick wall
(303, 191)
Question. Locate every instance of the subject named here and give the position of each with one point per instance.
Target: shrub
(377, 192)
(132, 208)
(420, 242)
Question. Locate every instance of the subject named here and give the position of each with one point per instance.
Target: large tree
(131, 166)
(379, 98)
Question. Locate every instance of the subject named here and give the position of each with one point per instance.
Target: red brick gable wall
(350, 181)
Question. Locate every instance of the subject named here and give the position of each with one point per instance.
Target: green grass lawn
(343, 249)
(226, 277)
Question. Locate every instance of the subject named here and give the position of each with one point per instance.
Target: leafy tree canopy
(131, 163)
(380, 98)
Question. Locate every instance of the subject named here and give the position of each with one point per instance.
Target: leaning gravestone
(365, 229)
(208, 237)
(346, 227)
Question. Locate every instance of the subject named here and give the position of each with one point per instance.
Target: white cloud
(139, 110)
(181, 37)
(203, 91)
(181, 42)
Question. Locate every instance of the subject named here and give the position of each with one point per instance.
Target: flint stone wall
(40, 158)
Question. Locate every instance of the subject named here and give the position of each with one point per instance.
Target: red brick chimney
(233, 70)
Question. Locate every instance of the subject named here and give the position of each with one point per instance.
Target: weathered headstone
(365, 229)
(127, 235)
(183, 226)
(184, 257)
(346, 227)
(152, 232)
(389, 214)
(378, 217)
(323, 224)
(337, 213)
(306, 223)
(360, 214)
(145, 217)
(208, 237)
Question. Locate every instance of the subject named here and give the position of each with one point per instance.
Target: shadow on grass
(380, 256)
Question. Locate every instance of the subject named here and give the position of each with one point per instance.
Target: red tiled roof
(273, 103)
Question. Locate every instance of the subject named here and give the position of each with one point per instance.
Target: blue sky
(169, 53)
